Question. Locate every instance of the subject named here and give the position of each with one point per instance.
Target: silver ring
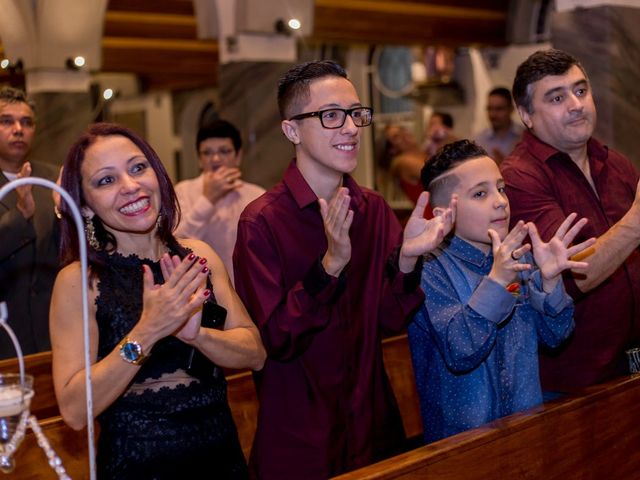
(513, 256)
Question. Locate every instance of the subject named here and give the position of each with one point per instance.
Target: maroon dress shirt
(544, 186)
(326, 405)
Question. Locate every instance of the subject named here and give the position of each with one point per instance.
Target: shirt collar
(305, 196)
(466, 252)
(543, 151)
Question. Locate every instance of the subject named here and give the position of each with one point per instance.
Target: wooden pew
(71, 446)
(241, 390)
(590, 436)
(593, 435)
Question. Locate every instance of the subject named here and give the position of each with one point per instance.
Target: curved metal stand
(54, 460)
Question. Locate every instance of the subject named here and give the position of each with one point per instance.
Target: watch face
(130, 351)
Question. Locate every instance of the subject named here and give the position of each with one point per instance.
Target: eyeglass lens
(335, 118)
(223, 152)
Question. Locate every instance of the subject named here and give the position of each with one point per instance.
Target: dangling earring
(158, 223)
(90, 232)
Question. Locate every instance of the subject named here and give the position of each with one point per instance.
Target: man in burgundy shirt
(324, 268)
(558, 168)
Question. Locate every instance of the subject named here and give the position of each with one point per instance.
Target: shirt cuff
(403, 282)
(492, 301)
(548, 303)
(323, 287)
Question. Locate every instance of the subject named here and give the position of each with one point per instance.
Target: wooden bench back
(590, 436)
(241, 390)
(593, 435)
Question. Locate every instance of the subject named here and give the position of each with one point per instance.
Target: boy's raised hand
(555, 256)
(422, 235)
(507, 254)
(337, 218)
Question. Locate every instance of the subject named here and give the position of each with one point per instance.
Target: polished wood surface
(70, 445)
(243, 401)
(593, 435)
(590, 436)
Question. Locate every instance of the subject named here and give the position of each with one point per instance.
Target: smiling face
(563, 113)
(482, 202)
(120, 186)
(320, 151)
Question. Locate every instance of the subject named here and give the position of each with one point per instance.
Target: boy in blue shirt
(474, 342)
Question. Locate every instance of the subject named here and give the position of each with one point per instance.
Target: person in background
(212, 202)
(164, 319)
(402, 159)
(28, 230)
(439, 132)
(501, 137)
(489, 302)
(326, 269)
(559, 168)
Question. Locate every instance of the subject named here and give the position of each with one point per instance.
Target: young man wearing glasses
(211, 203)
(324, 268)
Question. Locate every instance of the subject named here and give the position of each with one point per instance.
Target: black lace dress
(167, 425)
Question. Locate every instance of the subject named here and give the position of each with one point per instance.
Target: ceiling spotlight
(108, 93)
(289, 27)
(294, 24)
(75, 63)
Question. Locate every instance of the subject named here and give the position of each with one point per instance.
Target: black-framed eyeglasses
(335, 117)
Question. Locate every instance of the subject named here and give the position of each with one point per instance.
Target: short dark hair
(445, 159)
(447, 119)
(501, 92)
(539, 65)
(72, 183)
(293, 87)
(219, 129)
(15, 95)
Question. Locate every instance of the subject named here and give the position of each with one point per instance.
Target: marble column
(248, 93)
(606, 40)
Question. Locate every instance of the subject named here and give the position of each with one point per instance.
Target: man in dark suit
(28, 230)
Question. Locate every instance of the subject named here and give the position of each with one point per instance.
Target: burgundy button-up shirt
(544, 186)
(326, 405)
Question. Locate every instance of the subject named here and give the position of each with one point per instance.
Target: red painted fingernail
(206, 293)
(205, 270)
(191, 256)
(203, 261)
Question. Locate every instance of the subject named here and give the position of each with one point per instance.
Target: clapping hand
(170, 308)
(507, 254)
(555, 256)
(26, 205)
(422, 235)
(337, 219)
